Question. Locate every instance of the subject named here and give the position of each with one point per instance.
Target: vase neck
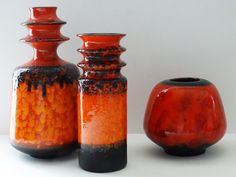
(101, 55)
(104, 46)
(44, 33)
(45, 51)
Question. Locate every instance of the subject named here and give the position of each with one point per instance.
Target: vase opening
(44, 7)
(101, 34)
(185, 79)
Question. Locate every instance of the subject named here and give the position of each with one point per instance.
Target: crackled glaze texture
(44, 108)
(185, 116)
(102, 104)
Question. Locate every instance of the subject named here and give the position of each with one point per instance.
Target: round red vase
(185, 116)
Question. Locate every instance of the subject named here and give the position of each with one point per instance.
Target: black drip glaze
(103, 158)
(36, 76)
(184, 150)
(101, 71)
(95, 86)
(186, 81)
(108, 53)
(47, 153)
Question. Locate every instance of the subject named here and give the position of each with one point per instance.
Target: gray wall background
(165, 39)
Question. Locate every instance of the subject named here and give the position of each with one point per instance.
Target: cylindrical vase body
(102, 104)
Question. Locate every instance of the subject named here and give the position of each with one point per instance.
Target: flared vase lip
(43, 15)
(101, 34)
(186, 81)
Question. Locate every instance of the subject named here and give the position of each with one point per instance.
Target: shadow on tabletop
(212, 153)
(142, 160)
(71, 157)
(146, 161)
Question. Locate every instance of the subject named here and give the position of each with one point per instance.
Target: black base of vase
(184, 151)
(103, 158)
(48, 153)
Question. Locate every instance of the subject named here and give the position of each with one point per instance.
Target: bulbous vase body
(185, 116)
(44, 108)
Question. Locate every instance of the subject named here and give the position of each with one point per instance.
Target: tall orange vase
(102, 104)
(44, 108)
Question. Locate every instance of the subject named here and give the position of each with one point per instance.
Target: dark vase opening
(101, 34)
(186, 81)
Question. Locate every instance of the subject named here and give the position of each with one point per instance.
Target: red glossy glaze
(44, 36)
(185, 112)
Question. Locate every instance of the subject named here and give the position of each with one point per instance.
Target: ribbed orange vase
(102, 104)
(44, 108)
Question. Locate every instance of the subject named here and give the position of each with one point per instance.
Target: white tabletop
(145, 159)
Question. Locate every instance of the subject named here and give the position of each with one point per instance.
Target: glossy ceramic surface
(185, 116)
(44, 108)
(102, 104)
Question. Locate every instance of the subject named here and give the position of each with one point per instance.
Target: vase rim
(101, 34)
(44, 15)
(186, 81)
(44, 7)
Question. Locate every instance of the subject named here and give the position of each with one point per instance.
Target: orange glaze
(103, 118)
(44, 121)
